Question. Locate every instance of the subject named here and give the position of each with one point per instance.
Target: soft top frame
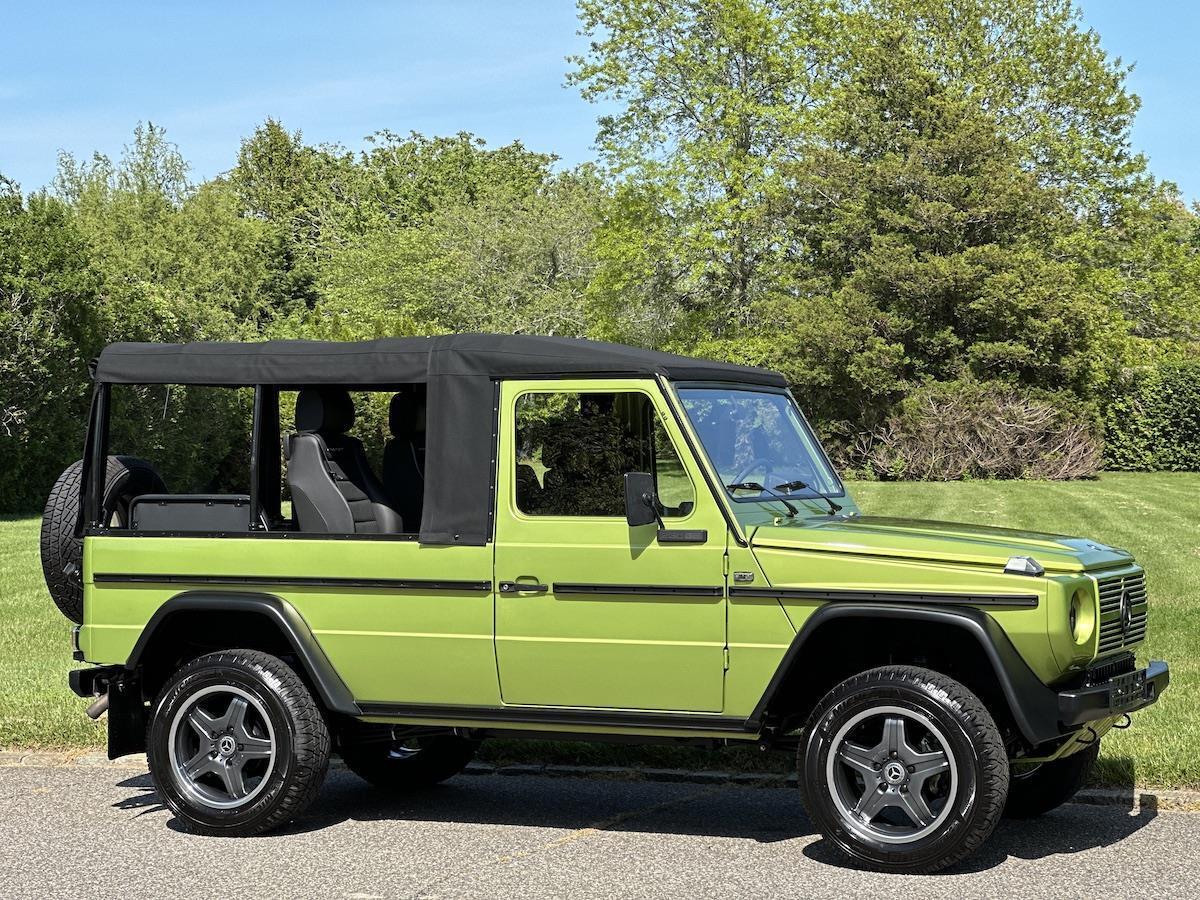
(461, 374)
(389, 361)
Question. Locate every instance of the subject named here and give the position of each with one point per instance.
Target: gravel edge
(1130, 798)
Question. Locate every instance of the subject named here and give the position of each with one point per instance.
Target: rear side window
(573, 450)
(196, 438)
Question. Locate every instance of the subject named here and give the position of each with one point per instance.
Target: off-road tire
(302, 742)
(1050, 785)
(371, 755)
(978, 758)
(62, 552)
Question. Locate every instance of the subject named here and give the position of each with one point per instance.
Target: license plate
(1127, 690)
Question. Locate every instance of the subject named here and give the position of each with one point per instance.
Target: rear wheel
(1037, 789)
(237, 745)
(903, 769)
(405, 763)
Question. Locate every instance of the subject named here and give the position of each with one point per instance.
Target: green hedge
(1154, 423)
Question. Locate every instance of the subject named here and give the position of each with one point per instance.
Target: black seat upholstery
(333, 487)
(404, 456)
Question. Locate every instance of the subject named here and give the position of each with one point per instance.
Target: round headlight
(1082, 616)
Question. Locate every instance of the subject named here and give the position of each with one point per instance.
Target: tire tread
(311, 743)
(982, 732)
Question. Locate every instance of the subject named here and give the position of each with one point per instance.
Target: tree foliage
(894, 202)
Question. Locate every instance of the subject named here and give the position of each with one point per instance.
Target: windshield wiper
(763, 489)
(790, 486)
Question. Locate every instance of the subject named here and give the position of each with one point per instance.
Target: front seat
(333, 488)
(404, 457)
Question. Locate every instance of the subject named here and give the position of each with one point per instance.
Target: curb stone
(1130, 798)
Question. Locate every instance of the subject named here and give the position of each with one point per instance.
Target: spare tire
(62, 551)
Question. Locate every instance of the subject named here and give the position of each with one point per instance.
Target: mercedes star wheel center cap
(893, 772)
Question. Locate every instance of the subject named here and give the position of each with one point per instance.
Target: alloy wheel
(892, 775)
(222, 747)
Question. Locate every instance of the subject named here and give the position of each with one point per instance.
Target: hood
(940, 542)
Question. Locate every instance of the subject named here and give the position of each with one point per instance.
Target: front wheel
(237, 744)
(903, 769)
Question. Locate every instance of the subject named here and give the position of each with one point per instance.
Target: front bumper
(1121, 694)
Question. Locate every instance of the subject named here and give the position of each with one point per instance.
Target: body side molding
(853, 596)
(662, 590)
(393, 584)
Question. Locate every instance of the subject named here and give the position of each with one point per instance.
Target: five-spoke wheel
(237, 744)
(903, 769)
(900, 786)
(222, 747)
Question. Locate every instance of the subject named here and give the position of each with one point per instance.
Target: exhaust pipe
(99, 707)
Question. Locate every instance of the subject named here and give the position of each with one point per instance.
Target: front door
(591, 612)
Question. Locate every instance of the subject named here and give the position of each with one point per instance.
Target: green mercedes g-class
(572, 539)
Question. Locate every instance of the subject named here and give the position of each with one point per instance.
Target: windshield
(759, 443)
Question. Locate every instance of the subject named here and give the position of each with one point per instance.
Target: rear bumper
(94, 681)
(1121, 694)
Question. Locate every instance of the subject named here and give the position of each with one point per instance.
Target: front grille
(1120, 628)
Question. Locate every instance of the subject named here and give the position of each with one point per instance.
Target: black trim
(1034, 706)
(91, 682)
(568, 717)
(496, 454)
(256, 422)
(258, 535)
(329, 685)
(682, 536)
(1123, 693)
(97, 458)
(1025, 601)
(396, 584)
(641, 590)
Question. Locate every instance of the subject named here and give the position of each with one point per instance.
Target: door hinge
(726, 659)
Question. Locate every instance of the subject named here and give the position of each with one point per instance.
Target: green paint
(700, 652)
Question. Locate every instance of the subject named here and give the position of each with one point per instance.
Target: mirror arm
(652, 501)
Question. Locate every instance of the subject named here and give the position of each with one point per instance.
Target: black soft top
(461, 374)
(400, 360)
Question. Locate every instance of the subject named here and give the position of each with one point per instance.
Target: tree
(715, 94)
(466, 238)
(47, 330)
(867, 195)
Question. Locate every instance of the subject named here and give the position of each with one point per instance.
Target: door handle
(523, 587)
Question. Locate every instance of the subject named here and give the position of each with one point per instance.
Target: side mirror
(641, 506)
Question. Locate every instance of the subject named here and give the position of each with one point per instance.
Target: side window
(573, 450)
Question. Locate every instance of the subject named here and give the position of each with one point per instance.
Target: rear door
(591, 612)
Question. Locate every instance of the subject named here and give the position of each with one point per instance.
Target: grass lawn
(1156, 516)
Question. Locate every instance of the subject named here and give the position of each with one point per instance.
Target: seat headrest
(324, 410)
(406, 415)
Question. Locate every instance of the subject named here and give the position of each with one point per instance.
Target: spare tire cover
(62, 551)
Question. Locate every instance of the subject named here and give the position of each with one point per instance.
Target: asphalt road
(101, 832)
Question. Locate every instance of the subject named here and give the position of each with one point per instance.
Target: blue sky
(79, 76)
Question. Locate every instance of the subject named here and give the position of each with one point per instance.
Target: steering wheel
(754, 464)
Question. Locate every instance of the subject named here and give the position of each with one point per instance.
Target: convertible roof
(400, 360)
(460, 372)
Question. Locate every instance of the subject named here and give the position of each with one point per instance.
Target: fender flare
(1034, 706)
(329, 686)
